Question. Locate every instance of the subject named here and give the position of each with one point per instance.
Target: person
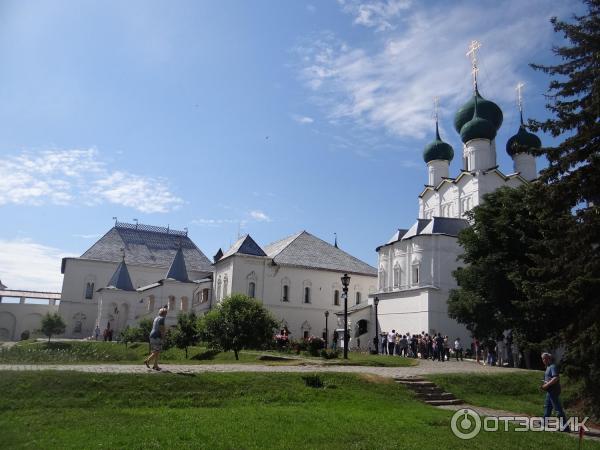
(476, 349)
(334, 341)
(458, 349)
(500, 350)
(439, 342)
(391, 338)
(156, 337)
(97, 332)
(551, 386)
(446, 348)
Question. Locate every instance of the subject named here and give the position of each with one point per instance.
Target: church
(416, 264)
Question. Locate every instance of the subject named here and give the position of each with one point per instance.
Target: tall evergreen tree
(571, 276)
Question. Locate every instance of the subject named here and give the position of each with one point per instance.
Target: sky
(232, 117)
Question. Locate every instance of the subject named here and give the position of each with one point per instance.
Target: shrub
(25, 335)
(315, 345)
(329, 354)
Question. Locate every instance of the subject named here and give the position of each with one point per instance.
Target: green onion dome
(478, 127)
(522, 141)
(438, 149)
(487, 110)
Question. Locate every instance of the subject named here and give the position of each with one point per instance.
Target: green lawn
(516, 392)
(92, 352)
(231, 411)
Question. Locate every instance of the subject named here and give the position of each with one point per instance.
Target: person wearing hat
(156, 337)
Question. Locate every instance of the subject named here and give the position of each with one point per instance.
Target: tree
(186, 334)
(572, 183)
(238, 322)
(52, 323)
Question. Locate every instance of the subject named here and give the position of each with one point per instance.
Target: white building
(133, 270)
(416, 264)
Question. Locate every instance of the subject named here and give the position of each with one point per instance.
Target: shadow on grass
(206, 355)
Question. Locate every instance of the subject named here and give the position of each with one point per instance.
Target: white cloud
(379, 14)
(391, 85)
(88, 236)
(64, 177)
(25, 264)
(216, 222)
(259, 216)
(302, 119)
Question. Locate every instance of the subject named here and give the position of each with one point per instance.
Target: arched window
(171, 303)
(415, 274)
(89, 290)
(251, 289)
(336, 297)
(285, 294)
(358, 298)
(184, 304)
(306, 294)
(151, 303)
(397, 273)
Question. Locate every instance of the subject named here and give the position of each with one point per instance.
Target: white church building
(416, 264)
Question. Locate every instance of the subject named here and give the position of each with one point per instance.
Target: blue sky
(266, 116)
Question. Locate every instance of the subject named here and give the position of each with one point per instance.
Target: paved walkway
(425, 367)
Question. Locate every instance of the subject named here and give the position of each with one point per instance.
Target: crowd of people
(441, 348)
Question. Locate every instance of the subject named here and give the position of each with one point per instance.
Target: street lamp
(326, 329)
(345, 283)
(376, 340)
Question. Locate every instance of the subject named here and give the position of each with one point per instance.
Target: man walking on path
(552, 387)
(156, 337)
(458, 349)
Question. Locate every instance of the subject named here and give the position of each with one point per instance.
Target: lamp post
(376, 340)
(345, 283)
(326, 329)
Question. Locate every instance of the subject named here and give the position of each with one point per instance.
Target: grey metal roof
(245, 246)
(121, 279)
(305, 250)
(147, 245)
(178, 271)
(448, 226)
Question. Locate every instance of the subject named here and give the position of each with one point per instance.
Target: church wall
(404, 311)
(18, 317)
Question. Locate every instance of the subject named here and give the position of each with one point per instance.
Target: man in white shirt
(458, 349)
(391, 342)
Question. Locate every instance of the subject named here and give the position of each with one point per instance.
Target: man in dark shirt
(552, 387)
(156, 336)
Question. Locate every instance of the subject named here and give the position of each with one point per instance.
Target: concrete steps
(428, 392)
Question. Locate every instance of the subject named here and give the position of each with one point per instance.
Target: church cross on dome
(472, 54)
(436, 108)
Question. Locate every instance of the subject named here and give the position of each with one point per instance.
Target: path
(425, 367)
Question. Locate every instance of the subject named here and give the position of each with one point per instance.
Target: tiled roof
(438, 225)
(305, 250)
(147, 245)
(245, 246)
(121, 279)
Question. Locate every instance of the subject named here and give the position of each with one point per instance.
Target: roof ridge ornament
(472, 54)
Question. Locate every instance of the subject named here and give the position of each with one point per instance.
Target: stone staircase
(428, 392)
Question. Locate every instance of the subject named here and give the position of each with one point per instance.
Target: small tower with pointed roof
(178, 270)
(121, 279)
(520, 145)
(437, 155)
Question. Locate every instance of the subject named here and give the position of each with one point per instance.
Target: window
(381, 279)
(306, 294)
(151, 303)
(358, 298)
(225, 282)
(251, 289)
(336, 297)
(171, 303)
(362, 327)
(204, 295)
(219, 289)
(89, 290)
(285, 295)
(396, 276)
(184, 304)
(305, 335)
(415, 274)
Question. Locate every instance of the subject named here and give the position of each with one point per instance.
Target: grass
(92, 352)
(516, 392)
(231, 410)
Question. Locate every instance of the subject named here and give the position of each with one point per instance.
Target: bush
(298, 346)
(315, 345)
(25, 335)
(329, 354)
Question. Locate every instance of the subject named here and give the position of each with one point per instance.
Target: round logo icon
(465, 424)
